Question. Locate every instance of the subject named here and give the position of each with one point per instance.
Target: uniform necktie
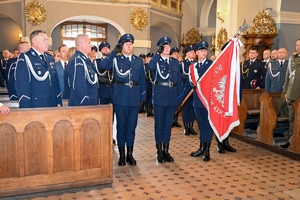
(42, 57)
(128, 58)
(281, 63)
(166, 60)
(200, 64)
(65, 64)
(251, 62)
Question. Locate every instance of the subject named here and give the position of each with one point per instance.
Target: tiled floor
(250, 173)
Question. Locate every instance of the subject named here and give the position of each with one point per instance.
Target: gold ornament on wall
(222, 38)
(139, 19)
(263, 23)
(192, 37)
(35, 13)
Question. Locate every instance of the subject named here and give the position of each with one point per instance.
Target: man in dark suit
(253, 71)
(82, 74)
(166, 96)
(61, 65)
(3, 67)
(23, 47)
(36, 78)
(129, 91)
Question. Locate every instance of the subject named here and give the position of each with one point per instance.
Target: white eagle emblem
(219, 93)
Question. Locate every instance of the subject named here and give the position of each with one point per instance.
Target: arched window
(69, 31)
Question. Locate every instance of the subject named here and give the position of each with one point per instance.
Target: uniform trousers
(163, 121)
(126, 123)
(206, 131)
(188, 110)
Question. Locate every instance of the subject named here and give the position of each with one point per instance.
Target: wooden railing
(55, 148)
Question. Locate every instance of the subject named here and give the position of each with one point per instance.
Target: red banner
(218, 89)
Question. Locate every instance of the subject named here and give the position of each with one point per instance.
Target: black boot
(192, 131)
(227, 146)
(175, 121)
(129, 157)
(220, 147)
(149, 112)
(122, 156)
(199, 152)
(186, 128)
(206, 155)
(142, 107)
(166, 154)
(160, 155)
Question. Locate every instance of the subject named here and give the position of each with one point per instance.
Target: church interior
(73, 156)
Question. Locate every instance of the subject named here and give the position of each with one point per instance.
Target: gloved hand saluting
(117, 48)
(160, 48)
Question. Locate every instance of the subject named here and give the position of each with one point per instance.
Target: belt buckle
(170, 84)
(130, 84)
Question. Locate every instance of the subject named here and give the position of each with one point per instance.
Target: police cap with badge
(150, 55)
(163, 41)
(94, 48)
(143, 56)
(201, 45)
(174, 49)
(188, 48)
(126, 38)
(104, 44)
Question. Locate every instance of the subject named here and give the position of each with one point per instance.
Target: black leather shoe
(160, 155)
(285, 146)
(192, 131)
(122, 156)
(220, 147)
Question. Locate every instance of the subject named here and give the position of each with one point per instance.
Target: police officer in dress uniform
(12, 93)
(188, 114)
(129, 90)
(142, 104)
(253, 71)
(206, 132)
(276, 71)
(149, 87)
(36, 80)
(105, 76)
(167, 93)
(174, 53)
(82, 74)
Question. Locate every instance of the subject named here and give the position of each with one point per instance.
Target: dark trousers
(188, 110)
(206, 131)
(126, 123)
(163, 120)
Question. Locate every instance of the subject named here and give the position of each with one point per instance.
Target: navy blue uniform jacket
(36, 81)
(123, 94)
(164, 95)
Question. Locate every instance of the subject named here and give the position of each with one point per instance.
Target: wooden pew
(269, 105)
(55, 148)
(295, 139)
(248, 106)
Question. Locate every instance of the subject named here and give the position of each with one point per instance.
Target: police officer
(142, 104)
(93, 53)
(188, 114)
(36, 80)
(174, 53)
(149, 87)
(22, 48)
(105, 76)
(206, 131)
(82, 74)
(166, 96)
(129, 90)
(253, 71)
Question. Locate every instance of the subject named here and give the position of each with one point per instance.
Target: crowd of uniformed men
(156, 82)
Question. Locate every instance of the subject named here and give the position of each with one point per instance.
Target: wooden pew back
(249, 105)
(55, 148)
